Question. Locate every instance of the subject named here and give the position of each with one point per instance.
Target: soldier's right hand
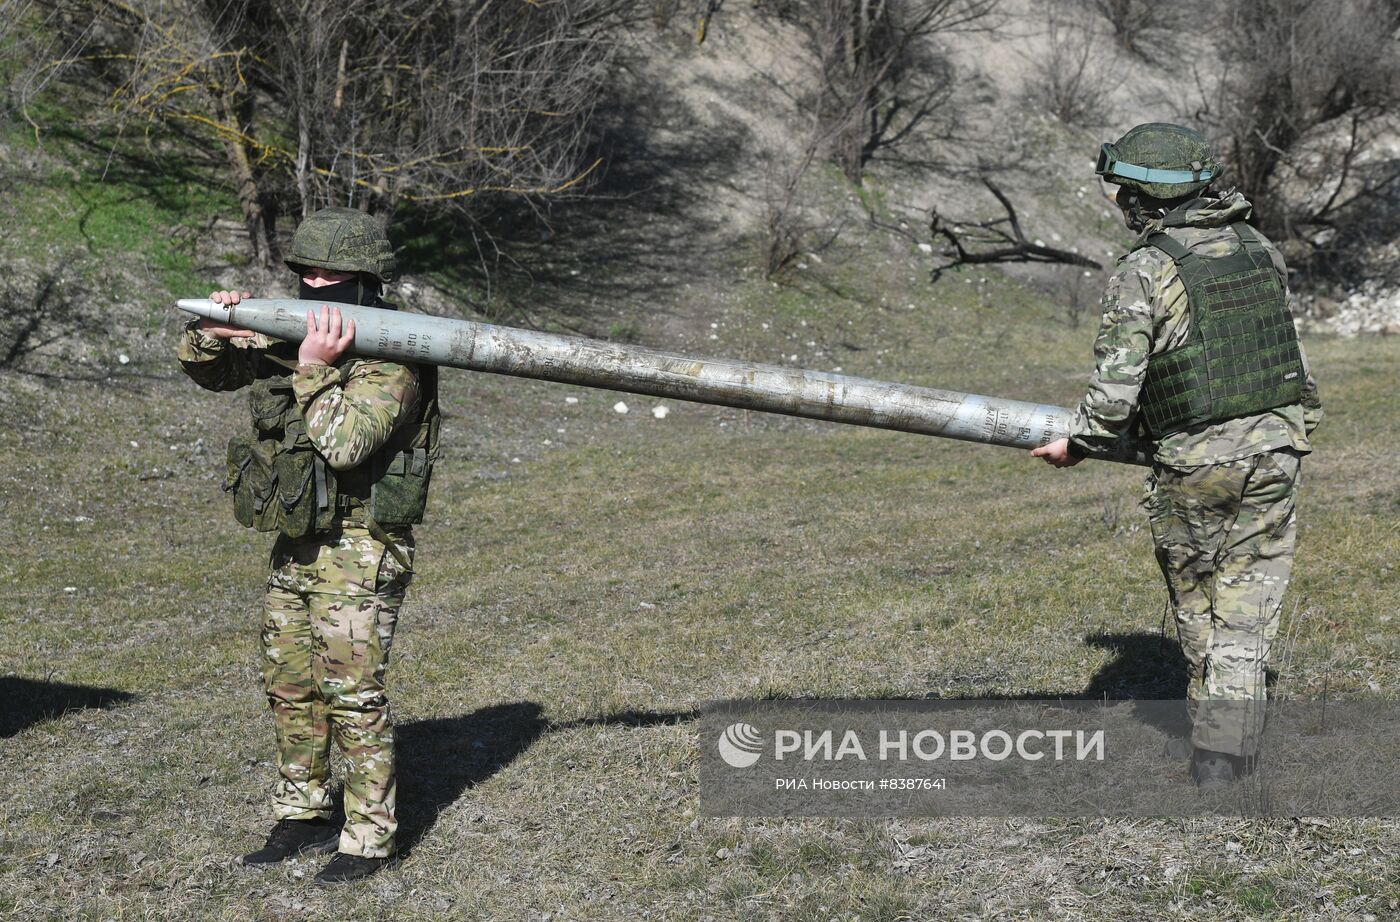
(218, 328)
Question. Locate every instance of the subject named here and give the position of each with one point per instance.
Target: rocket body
(502, 350)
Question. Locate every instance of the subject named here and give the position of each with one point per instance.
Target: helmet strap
(1134, 212)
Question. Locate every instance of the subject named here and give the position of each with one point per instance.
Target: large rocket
(503, 350)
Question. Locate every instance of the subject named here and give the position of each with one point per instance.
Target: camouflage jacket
(1144, 314)
(347, 420)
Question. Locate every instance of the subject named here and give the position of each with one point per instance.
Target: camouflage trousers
(1224, 538)
(328, 625)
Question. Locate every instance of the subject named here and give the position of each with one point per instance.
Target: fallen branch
(1007, 241)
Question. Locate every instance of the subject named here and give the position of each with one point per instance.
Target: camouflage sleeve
(216, 364)
(1120, 353)
(1312, 400)
(349, 420)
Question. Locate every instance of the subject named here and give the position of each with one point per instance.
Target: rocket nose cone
(203, 307)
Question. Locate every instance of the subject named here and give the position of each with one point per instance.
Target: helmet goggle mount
(1109, 166)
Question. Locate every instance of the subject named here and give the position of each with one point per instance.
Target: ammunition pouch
(288, 490)
(249, 480)
(279, 481)
(400, 495)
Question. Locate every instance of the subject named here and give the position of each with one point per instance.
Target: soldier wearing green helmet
(337, 464)
(1198, 353)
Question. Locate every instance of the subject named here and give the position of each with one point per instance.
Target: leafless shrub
(1072, 79)
(879, 78)
(21, 43)
(785, 223)
(1147, 28)
(1075, 292)
(372, 104)
(440, 102)
(1309, 87)
(663, 12)
(697, 14)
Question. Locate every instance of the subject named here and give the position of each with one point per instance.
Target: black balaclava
(357, 290)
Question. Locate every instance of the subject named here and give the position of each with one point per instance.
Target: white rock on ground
(1370, 310)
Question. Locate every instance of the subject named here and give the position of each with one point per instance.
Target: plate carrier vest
(1241, 357)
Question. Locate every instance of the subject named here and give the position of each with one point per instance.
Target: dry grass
(573, 610)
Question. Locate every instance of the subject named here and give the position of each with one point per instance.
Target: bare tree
(879, 77)
(1143, 26)
(371, 104)
(180, 69)
(1309, 86)
(1071, 79)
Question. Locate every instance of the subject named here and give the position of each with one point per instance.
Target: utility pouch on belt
(305, 484)
(248, 480)
(400, 496)
(289, 491)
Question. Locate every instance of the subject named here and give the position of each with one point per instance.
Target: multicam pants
(1224, 538)
(329, 618)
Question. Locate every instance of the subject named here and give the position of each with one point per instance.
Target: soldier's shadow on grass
(1144, 665)
(30, 701)
(441, 758)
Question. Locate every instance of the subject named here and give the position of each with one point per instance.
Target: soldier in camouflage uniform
(338, 465)
(1198, 353)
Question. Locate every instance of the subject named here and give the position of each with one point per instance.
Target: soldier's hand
(1056, 454)
(218, 328)
(324, 342)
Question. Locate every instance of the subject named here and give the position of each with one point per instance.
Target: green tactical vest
(1242, 354)
(281, 483)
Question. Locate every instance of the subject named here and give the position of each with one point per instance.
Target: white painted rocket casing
(595, 363)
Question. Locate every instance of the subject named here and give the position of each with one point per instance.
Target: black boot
(1212, 770)
(292, 837)
(345, 867)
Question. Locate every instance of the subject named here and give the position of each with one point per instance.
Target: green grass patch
(572, 608)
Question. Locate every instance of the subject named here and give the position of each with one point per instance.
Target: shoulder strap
(1171, 246)
(1192, 269)
(1249, 237)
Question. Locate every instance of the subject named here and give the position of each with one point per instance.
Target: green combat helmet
(343, 240)
(1160, 160)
